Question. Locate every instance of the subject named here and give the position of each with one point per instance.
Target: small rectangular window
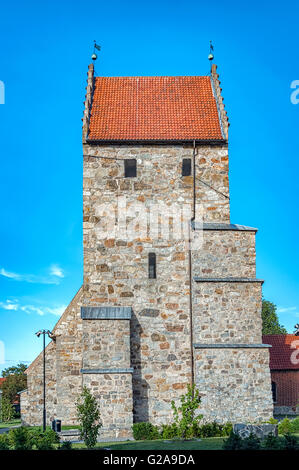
(152, 266)
(274, 391)
(186, 167)
(130, 168)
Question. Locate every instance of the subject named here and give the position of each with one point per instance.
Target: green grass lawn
(210, 443)
(63, 428)
(9, 424)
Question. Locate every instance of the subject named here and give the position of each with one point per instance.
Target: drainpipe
(190, 269)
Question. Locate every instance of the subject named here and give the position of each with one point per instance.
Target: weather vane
(95, 47)
(211, 55)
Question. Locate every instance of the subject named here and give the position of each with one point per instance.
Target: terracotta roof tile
(283, 346)
(154, 108)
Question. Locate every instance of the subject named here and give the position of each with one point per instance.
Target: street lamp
(50, 334)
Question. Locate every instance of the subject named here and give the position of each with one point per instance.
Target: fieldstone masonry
(132, 340)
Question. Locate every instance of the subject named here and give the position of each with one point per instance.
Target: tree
(7, 410)
(271, 325)
(89, 418)
(16, 380)
(184, 415)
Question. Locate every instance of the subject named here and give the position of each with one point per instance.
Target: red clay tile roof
(154, 108)
(285, 348)
(2, 379)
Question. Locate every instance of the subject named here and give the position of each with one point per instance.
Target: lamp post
(50, 334)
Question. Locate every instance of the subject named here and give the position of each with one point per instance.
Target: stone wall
(234, 384)
(114, 395)
(63, 378)
(227, 312)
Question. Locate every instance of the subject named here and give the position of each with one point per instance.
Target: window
(274, 391)
(186, 167)
(130, 168)
(152, 266)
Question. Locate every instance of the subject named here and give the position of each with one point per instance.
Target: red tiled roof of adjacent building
(284, 352)
(2, 379)
(154, 109)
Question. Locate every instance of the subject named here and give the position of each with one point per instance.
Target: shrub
(4, 442)
(251, 442)
(234, 442)
(66, 445)
(272, 421)
(285, 426)
(184, 415)
(271, 442)
(211, 430)
(89, 418)
(295, 425)
(145, 431)
(20, 438)
(44, 440)
(290, 442)
(7, 410)
(227, 429)
(169, 431)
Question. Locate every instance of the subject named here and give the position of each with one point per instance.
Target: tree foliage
(89, 418)
(7, 410)
(271, 325)
(184, 415)
(16, 380)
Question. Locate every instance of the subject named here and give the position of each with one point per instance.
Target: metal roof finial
(95, 46)
(211, 55)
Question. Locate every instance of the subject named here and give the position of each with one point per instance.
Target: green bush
(169, 431)
(44, 440)
(295, 425)
(290, 442)
(211, 430)
(66, 445)
(271, 442)
(4, 442)
(234, 442)
(20, 438)
(227, 429)
(145, 431)
(285, 426)
(272, 421)
(251, 442)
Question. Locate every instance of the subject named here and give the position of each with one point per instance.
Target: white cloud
(9, 305)
(286, 309)
(5, 273)
(56, 310)
(55, 274)
(56, 270)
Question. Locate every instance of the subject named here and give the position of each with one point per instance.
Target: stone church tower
(170, 295)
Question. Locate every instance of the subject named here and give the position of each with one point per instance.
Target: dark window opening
(186, 167)
(152, 266)
(274, 391)
(130, 168)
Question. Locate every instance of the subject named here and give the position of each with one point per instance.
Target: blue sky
(46, 48)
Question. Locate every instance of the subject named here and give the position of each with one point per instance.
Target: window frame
(152, 265)
(189, 166)
(128, 168)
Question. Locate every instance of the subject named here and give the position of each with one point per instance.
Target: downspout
(190, 270)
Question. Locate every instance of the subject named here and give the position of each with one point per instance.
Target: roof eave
(157, 141)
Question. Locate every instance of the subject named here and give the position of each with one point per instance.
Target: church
(170, 295)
